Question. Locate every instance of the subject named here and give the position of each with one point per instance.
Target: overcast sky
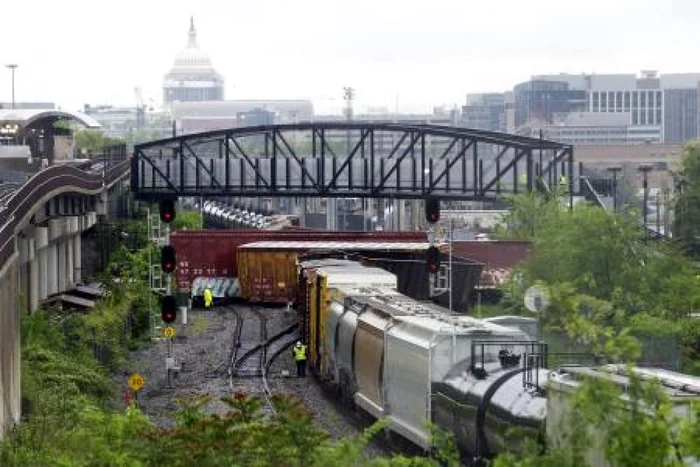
(413, 53)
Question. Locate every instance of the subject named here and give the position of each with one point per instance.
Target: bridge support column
(62, 263)
(70, 262)
(41, 236)
(51, 269)
(33, 284)
(300, 210)
(73, 229)
(77, 258)
(415, 214)
(10, 396)
(331, 214)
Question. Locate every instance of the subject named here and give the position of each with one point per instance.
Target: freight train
(405, 360)
(411, 363)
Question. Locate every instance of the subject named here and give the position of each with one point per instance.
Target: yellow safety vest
(207, 295)
(300, 353)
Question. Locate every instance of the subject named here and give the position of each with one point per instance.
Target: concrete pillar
(10, 397)
(62, 265)
(416, 213)
(51, 269)
(41, 240)
(331, 214)
(77, 259)
(33, 293)
(70, 266)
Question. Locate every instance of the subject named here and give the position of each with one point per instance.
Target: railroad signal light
(167, 210)
(167, 259)
(432, 259)
(168, 309)
(432, 210)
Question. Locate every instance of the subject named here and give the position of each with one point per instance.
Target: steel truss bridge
(349, 160)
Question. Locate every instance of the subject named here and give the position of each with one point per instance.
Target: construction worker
(208, 298)
(299, 353)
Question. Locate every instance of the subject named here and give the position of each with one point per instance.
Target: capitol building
(192, 76)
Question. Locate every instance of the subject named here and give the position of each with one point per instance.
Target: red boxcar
(212, 253)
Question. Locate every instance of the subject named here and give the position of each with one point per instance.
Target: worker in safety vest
(208, 298)
(299, 353)
(563, 181)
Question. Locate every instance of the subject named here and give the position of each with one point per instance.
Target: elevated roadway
(41, 223)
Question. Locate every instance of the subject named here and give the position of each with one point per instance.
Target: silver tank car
(493, 409)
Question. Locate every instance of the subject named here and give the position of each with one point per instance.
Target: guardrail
(51, 180)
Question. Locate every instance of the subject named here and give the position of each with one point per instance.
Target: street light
(614, 169)
(12, 66)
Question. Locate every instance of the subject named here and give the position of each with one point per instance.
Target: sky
(405, 55)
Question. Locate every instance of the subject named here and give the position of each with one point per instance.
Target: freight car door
(369, 354)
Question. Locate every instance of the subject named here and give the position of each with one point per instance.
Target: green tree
(94, 141)
(686, 226)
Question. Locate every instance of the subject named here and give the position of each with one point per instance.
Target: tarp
(221, 287)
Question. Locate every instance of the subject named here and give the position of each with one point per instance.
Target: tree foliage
(629, 426)
(686, 226)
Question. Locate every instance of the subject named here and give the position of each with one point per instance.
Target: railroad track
(256, 361)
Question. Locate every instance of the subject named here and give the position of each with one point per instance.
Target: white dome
(192, 59)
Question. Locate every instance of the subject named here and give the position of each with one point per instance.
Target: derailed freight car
(393, 357)
(265, 268)
(212, 253)
(321, 277)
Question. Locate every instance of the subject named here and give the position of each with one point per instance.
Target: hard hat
(298, 343)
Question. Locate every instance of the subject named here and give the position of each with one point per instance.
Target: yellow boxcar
(267, 276)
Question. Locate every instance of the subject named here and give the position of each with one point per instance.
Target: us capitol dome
(192, 76)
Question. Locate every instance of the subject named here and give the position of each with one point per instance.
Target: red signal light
(167, 259)
(432, 210)
(167, 210)
(168, 312)
(432, 259)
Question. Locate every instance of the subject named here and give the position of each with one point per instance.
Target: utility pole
(645, 169)
(13, 67)
(614, 169)
(348, 97)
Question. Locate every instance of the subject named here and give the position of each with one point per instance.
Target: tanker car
(409, 362)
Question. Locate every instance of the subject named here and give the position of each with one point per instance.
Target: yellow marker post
(169, 332)
(136, 382)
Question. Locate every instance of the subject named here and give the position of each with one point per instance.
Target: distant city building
(647, 108)
(595, 128)
(488, 111)
(192, 117)
(540, 99)
(122, 122)
(28, 105)
(192, 76)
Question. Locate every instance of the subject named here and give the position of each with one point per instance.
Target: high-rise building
(486, 111)
(192, 76)
(648, 108)
(541, 99)
(680, 115)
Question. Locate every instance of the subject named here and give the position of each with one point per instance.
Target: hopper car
(412, 363)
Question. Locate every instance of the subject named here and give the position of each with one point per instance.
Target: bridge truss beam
(348, 159)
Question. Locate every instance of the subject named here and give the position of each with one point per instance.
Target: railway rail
(256, 361)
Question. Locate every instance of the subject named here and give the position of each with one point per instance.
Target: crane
(140, 109)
